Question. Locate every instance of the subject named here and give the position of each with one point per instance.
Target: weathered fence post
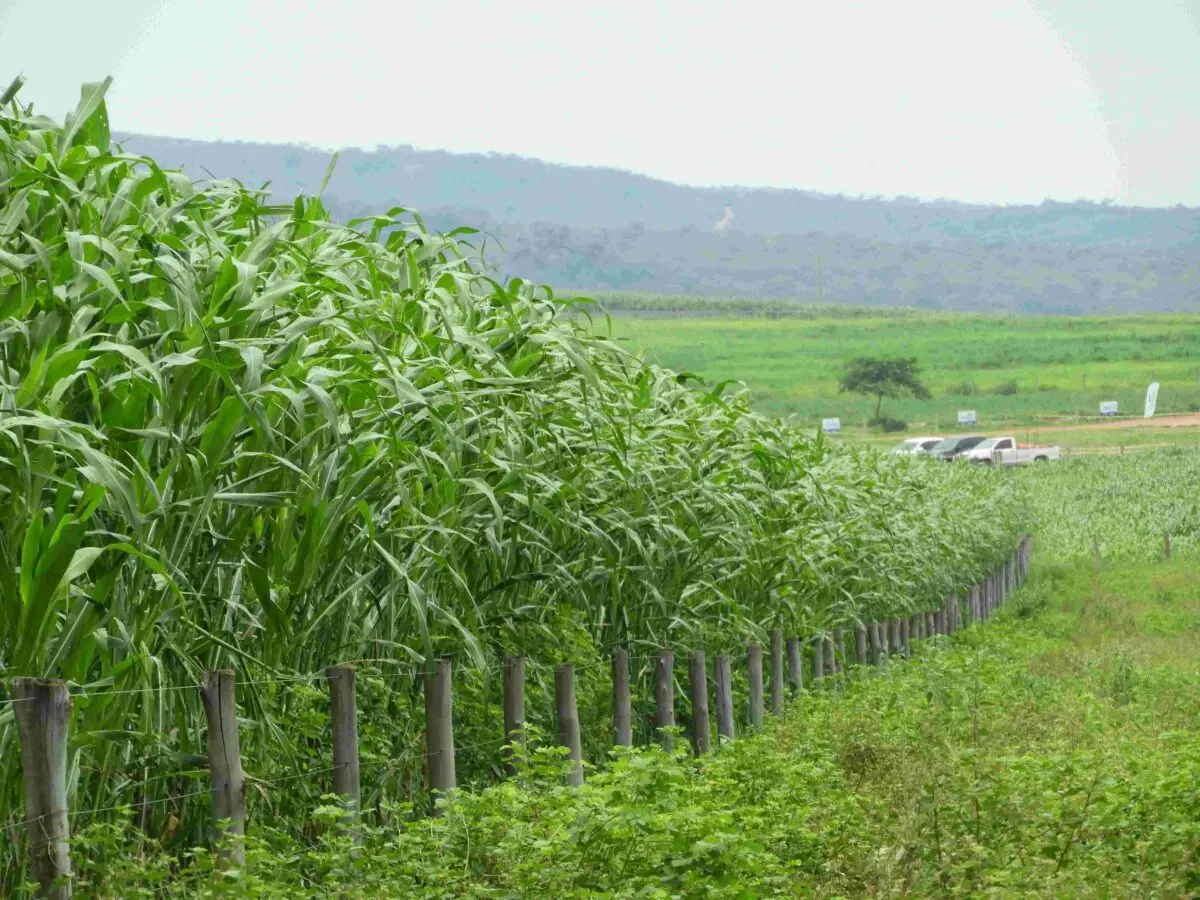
(568, 720)
(42, 708)
(622, 702)
(698, 673)
(724, 684)
(218, 692)
(343, 722)
(818, 654)
(439, 750)
(860, 645)
(776, 672)
(795, 665)
(664, 697)
(513, 689)
(439, 732)
(754, 661)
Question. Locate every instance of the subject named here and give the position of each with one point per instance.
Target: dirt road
(1189, 420)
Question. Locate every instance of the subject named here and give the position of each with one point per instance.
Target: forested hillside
(593, 229)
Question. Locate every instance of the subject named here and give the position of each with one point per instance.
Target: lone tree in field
(892, 378)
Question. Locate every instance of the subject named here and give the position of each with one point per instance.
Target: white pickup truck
(1006, 451)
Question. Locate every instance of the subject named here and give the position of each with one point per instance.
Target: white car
(1006, 451)
(916, 446)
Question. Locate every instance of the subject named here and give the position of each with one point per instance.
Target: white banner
(966, 417)
(1108, 408)
(831, 425)
(1151, 399)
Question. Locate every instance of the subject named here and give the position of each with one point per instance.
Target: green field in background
(1011, 370)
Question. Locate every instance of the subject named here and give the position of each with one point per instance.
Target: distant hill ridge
(595, 228)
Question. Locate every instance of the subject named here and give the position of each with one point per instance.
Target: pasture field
(1011, 370)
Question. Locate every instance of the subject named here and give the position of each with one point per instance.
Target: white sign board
(831, 425)
(1108, 407)
(966, 417)
(1151, 399)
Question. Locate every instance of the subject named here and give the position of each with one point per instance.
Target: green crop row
(241, 435)
(1124, 506)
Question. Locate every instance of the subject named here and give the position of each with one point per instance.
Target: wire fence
(46, 737)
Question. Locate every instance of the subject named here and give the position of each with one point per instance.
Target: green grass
(1056, 365)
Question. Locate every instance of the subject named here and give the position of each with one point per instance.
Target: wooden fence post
(568, 721)
(724, 685)
(776, 672)
(513, 689)
(622, 701)
(754, 661)
(795, 665)
(818, 655)
(42, 708)
(860, 645)
(439, 732)
(876, 650)
(664, 697)
(699, 690)
(218, 691)
(343, 722)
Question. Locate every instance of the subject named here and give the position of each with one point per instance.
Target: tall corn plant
(241, 434)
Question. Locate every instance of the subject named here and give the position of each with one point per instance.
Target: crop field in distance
(1027, 374)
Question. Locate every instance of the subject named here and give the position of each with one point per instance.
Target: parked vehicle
(955, 446)
(1006, 451)
(915, 446)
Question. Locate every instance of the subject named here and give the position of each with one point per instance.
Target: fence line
(42, 726)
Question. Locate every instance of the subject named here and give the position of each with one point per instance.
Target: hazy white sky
(987, 100)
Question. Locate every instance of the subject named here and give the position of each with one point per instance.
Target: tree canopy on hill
(600, 229)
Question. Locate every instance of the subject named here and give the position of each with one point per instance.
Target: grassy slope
(792, 364)
(1052, 752)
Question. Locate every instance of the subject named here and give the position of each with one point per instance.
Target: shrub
(888, 424)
